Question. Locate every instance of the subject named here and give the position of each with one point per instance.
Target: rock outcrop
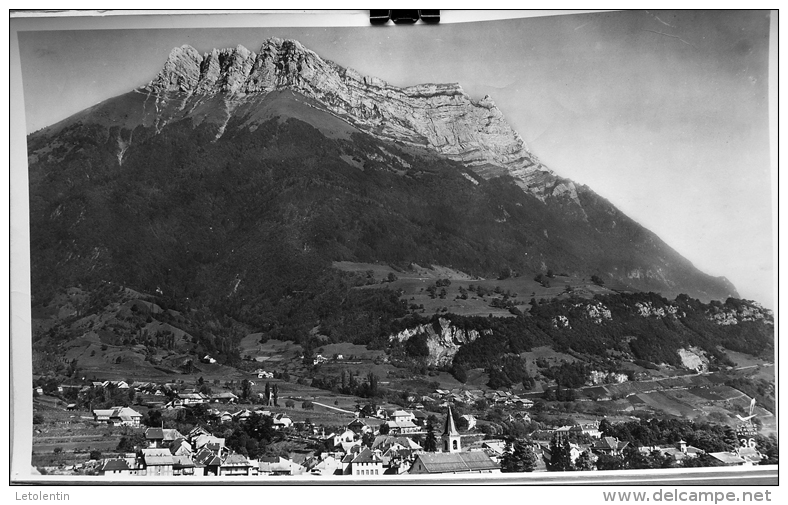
(437, 116)
(745, 311)
(443, 339)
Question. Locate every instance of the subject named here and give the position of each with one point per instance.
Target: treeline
(647, 339)
(349, 383)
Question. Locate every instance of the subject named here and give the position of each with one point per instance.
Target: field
(63, 439)
(414, 283)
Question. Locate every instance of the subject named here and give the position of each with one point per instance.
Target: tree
(635, 459)
(275, 393)
(609, 462)
(459, 373)
(152, 418)
(307, 405)
(585, 461)
(130, 441)
(430, 441)
(246, 389)
(560, 455)
(519, 457)
(290, 404)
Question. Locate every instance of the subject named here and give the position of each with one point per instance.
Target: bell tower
(450, 439)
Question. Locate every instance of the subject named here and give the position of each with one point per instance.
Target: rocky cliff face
(443, 339)
(437, 116)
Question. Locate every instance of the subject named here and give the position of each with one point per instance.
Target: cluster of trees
(510, 370)
(569, 374)
(706, 436)
(350, 383)
(542, 279)
(560, 394)
(250, 437)
(519, 456)
(100, 397)
(657, 339)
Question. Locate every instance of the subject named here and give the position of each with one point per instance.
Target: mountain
(235, 179)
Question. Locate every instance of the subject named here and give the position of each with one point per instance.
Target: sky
(665, 114)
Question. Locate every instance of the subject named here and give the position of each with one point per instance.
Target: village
(377, 443)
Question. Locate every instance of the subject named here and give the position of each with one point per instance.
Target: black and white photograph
(413, 247)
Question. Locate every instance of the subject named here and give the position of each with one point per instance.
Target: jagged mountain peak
(442, 117)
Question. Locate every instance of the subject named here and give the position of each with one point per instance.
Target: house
(471, 421)
(344, 442)
(419, 418)
(277, 465)
(125, 416)
(282, 421)
(401, 427)
(366, 464)
(397, 460)
(345, 436)
(729, 458)
(493, 448)
(180, 447)
(204, 440)
(102, 415)
(363, 425)
(156, 462)
(326, 466)
(385, 442)
(182, 465)
(608, 445)
(242, 415)
(224, 397)
(680, 452)
(750, 455)
(208, 359)
(523, 403)
(459, 462)
(117, 467)
(161, 437)
(235, 464)
(196, 432)
(207, 462)
(575, 450)
(187, 399)
(116, 384)
(118, 416)
(150, 400)
(401, 415)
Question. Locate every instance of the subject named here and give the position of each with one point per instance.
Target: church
(452, 459)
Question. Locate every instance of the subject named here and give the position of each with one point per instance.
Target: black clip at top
(403, 16)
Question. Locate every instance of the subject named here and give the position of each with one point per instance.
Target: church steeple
(450, 436)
